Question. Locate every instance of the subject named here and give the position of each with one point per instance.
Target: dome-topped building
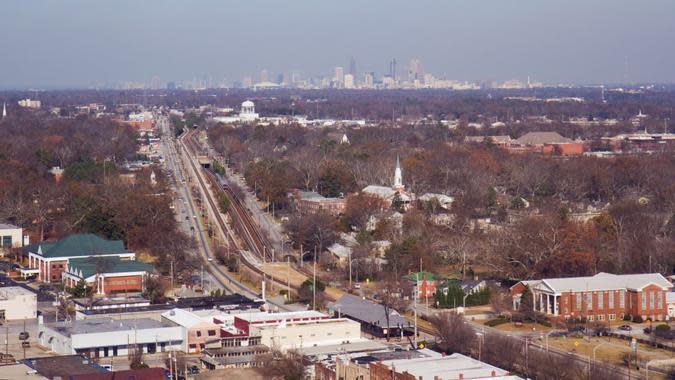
(247, 112)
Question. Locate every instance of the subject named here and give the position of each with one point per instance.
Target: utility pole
(350, 268)
(415, 294)
(202, 277)
(172, 289)
(288, 276)
(23, 341)
(314, 283)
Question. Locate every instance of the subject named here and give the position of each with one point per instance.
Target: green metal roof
(79, 245)
(419, 276)
(89, 266)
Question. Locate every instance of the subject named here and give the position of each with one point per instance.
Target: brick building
(309, 202)
(426, 283)
(603, 297)
(51, 259)
(107, 275)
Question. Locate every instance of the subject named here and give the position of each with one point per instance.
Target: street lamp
(589, 357)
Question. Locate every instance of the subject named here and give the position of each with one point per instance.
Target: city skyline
(80, 45)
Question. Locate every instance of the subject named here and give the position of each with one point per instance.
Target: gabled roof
(541, 138)
(601, 281)
(78, 245)
(384, 192)
(362, 310)
(380, 191)
(89, 266)
(5, 226)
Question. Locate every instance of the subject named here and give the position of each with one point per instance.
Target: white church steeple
(398, 176)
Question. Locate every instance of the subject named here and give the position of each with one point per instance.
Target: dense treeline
(382, 106)
(91, 196)
(550, 216)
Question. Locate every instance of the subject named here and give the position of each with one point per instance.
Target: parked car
(625, 328)
(647, 330)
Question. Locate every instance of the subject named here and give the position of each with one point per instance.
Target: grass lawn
(524, 328)
(610, 350)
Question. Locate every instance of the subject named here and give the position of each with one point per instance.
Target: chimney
(461, 376)
(494, 373)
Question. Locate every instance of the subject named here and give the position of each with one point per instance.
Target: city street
(185, 209)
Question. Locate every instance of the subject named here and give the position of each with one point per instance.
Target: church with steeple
(389, 194)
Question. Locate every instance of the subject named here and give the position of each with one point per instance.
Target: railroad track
(243, 223)
(231, 283)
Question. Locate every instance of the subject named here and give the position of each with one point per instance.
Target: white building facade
(17, 303)
(109, 337)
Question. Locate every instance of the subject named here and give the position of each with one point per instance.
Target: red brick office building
(603, 297)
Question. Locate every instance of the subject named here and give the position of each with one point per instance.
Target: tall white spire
(4, 110)
(398, 176)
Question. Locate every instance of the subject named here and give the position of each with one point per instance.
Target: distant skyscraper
(264, 76)
(369, 80)
(352, 67)
(349, 81)
(339, 76)
(392, 69)
(415, 70)
(171, 86)
(4, 110)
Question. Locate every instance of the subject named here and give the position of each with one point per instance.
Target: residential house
(426, 283)
(11, 237)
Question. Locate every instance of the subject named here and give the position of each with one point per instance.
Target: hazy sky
(70, 43)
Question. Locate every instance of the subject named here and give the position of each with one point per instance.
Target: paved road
(185, 209)
(191, 170)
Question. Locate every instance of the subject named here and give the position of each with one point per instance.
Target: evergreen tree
(526, 302)
(80, 290)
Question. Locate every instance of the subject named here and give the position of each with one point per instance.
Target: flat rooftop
(99, 325)
(447, 367)
(19, 371)
(63, 366)
(324, 322)
(266, 316)
(360, 346)
(111, 301)
(11, 292)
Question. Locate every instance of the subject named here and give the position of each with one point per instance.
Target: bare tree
(392, 292)
(278, 365)
(454, 333)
